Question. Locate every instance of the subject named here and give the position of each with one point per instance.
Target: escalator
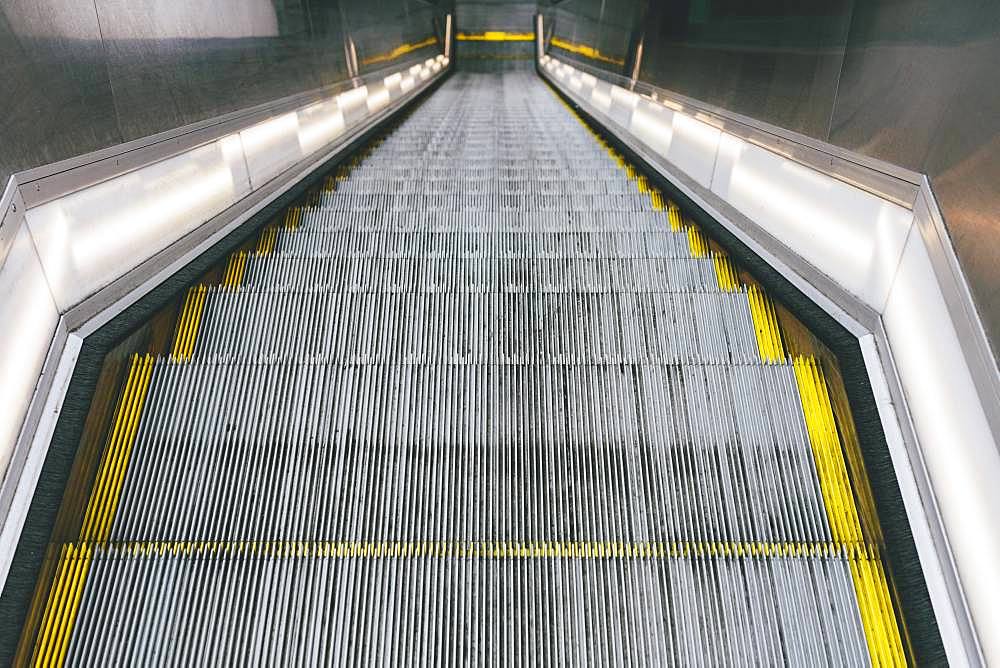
(487, 397)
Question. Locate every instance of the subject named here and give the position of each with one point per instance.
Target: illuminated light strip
(496, 36)
(586, 51)
(400, 50)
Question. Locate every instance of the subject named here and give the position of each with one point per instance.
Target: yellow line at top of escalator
(495, 36)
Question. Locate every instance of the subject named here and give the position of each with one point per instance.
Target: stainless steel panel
(79, 77)
(56, 100)
(478, 16)
(777, 62)
(385, 32)
(609, 27)
(919, 89)
(179, 62)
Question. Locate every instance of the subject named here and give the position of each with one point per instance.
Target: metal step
(486, 401)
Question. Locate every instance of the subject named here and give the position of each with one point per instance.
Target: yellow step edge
(182, 323)
(725, 273)
(697, 243)
(110, 505)
(675, 217)
(44, 640)
(235, 268)
(185, 349)
(875, 605)
(589, 549)
(766, 327)
(110, 448)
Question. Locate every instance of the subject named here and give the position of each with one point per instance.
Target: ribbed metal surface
(481, 405)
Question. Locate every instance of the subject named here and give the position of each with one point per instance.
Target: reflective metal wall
(80, 75)
(385, 30)
(479, 16)
(775, 61)
(920, 87)
(602, 33)
(911, 82)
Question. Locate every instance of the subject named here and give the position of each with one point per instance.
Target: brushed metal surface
(606, 26)
(390, 31)
(56, 99)
(179, 62)
(81, 76)
(777, 62)
(918, 89)
(479, 16)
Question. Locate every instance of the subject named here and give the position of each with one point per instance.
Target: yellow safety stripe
(765, 325)
(845, 524)
(62, 605)
(871, 587)
(292, 218)
(74, 561)
(674, 217)
(128, 395)
(885, 644)
(400, 50)
(107, 486)
(726, 273)
(656, 197)
(266, 242)
(235, 269)
(855, 461)
(496, 36)
(585, 51)
(697, 242)
(52, 605)
(189, 323)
